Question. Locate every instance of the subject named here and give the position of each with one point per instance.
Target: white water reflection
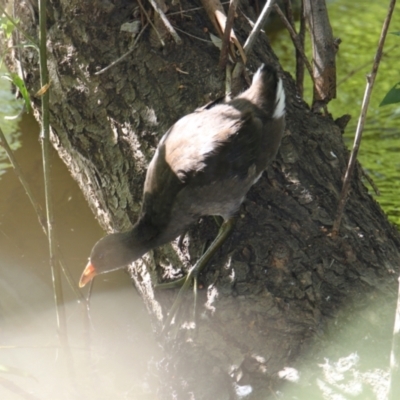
(115, 364)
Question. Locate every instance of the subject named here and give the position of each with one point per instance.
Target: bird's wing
(214, 144)
(223, 144)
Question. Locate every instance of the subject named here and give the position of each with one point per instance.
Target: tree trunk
(280, 277)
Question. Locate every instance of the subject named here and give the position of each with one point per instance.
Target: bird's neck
(258, 95)
(145, 234)
(151, 235)
(267, 93)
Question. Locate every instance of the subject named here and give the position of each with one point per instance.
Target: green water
(352, 362)
(359, 24)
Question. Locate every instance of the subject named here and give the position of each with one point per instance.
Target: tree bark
(280, 278)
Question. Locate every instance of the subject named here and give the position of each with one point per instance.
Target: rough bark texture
(280, 278)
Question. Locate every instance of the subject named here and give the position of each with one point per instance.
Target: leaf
(216, 41)
(42, 90)
(392, 96)
(7, 369)
(131, 27)
(6, 25)
(3, 168)
(396, 33)
(20, 84)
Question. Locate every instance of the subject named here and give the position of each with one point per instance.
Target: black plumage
(204, 165)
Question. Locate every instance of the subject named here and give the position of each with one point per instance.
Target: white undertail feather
(279, 110)
(279, 101)
(256, 76)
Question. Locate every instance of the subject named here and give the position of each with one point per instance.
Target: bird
(204, 165)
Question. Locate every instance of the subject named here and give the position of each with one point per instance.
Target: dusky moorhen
(204, 165)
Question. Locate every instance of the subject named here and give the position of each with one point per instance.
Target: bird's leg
(224, 232)
(180, 281)
(218, 220)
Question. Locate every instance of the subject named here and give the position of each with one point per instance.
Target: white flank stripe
(279, 101)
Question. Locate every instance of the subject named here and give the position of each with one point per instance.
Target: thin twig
(151, 23)
(361, 121)
(190, 10)
(370, 181)
(295, 39)
(299, 58)
(193, 36)
(289, 13)
(257, 26)
(362, 66)
(45, 139)
(167, 24)
(227, 34)
(68, 276)
(228, 80)
(118, 60)
(239, 67)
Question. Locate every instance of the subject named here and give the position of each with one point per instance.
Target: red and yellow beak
(87, 275)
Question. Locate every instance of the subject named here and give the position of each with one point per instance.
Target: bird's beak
(87, 275)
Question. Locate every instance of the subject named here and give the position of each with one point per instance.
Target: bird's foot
(185, 282)
(177, 283)
(218, 220)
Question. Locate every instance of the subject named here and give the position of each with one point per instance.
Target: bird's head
(110, 253)
(267, 91)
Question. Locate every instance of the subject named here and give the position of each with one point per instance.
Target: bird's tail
(267, 92)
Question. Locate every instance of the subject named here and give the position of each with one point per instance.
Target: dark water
(353, 360)
(31, 363)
